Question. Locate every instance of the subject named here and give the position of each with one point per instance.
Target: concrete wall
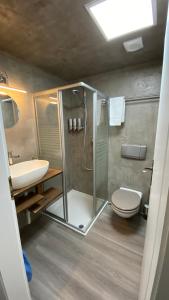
(21, 138)
(140, 123)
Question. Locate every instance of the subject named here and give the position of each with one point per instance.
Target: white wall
(11, 260)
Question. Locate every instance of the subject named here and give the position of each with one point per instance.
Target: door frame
(160, 185)
(12, 267)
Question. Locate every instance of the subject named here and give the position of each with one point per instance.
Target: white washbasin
(28, 172)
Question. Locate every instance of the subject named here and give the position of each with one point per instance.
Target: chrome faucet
(11, 156)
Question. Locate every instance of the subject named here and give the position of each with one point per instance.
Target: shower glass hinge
(10, 185)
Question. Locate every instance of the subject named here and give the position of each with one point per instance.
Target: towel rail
(153, 98)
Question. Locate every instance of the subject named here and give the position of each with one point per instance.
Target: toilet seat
(126, 200)
(125, 211)
(125, 214)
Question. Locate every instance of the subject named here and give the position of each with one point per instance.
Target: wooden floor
(105, 264)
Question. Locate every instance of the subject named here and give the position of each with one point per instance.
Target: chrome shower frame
(96, 213)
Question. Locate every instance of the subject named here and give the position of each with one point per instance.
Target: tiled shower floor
(80, 206)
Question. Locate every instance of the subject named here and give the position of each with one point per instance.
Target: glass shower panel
(101, 153)
(78, 136)
(47, 113)
(49, 142)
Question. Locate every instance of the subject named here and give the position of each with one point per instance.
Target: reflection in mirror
(10, 111)
(51, 112)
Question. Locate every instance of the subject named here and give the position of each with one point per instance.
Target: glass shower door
(100, 152)
(77, 106)
(49, 144)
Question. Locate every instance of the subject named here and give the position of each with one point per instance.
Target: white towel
(123, 113)
(116, 111)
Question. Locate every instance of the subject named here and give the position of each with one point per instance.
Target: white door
(13, 281)
(160, 184)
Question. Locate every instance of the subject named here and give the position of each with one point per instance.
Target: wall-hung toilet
(126, 202)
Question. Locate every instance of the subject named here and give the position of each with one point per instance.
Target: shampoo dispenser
(70, 124)
(79, 124)
(74, 124)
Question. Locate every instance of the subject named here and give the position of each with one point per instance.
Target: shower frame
(58, 91)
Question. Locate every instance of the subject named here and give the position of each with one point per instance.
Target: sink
(28, 172)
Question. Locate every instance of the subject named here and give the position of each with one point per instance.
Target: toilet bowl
(126, 202)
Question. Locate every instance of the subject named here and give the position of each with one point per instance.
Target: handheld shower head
(75, 92)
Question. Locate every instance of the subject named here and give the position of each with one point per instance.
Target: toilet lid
(125, 200)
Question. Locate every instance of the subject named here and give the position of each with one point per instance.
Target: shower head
(75, 92)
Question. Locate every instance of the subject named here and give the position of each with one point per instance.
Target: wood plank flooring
(104, 265)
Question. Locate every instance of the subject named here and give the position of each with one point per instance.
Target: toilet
(126, 202)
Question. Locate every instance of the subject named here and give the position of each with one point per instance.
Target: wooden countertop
(50, 174)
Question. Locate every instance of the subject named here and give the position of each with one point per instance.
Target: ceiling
(60, 37)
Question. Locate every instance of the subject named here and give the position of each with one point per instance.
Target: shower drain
(81, 226)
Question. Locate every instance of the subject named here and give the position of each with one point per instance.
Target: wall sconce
(3, 77)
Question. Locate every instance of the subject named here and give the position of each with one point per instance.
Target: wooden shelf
(26, 202)
(50, 174)
(48, 197)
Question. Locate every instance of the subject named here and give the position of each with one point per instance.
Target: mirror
(10, 111)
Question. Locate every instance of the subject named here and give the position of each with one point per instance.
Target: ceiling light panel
(119, 17)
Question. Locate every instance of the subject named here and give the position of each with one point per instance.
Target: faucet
(11, 156)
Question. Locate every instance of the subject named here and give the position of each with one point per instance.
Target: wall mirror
(10, 111)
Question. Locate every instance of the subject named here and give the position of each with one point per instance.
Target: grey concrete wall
(25, 76)
(140, 122)
(21, 138)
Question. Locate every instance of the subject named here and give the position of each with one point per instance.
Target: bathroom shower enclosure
(72, 133)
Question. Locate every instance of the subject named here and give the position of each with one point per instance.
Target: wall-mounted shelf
(48, 197)
(27, 202)
(38, 199)
(50, 174)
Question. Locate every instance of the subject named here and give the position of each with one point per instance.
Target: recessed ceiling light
(133, 45)
(118, 17)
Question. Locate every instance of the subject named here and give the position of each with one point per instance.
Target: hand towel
(116, 111)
